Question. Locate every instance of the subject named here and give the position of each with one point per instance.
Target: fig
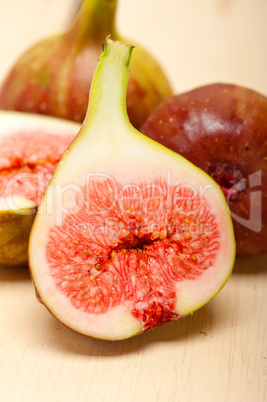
(54, 76)
(129, 234)
(222, 128)
(30, 148)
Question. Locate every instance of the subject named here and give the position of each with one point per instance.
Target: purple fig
(223, 130)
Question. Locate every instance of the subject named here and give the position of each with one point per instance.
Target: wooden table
(218, 354)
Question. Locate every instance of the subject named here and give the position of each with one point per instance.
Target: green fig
(54, 76)
(129, 235)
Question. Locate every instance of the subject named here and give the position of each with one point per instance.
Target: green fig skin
(14, 237)
(222, 128)
(54, 76)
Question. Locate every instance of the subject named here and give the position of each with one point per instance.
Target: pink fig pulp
(129, 235)
(30, 148)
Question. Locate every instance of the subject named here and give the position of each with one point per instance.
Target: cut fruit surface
(28, 162)
(129, 235)
(30, 149)
(131, 252)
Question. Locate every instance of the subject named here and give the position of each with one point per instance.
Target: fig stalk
(101, 15)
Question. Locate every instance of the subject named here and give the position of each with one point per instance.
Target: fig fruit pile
(30, 148)
(222, 129)
(123, 232)
(54, 76)
(129, 235)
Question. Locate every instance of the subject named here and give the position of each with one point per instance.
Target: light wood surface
(219, 353)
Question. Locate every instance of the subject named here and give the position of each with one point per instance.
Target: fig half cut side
(129, 234)
(30, 148)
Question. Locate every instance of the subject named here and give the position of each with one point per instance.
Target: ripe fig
(222, 128)
(129, 234)
(54, 76)
(30, 148)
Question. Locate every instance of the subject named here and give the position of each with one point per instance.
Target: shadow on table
(210, 319)
(14, 274)
(251, 265)
(201, 324)
(204, 323)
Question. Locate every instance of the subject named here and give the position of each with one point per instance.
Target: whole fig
(222, 128)
(54, 76)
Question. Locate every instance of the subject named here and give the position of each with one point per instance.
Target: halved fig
(30, 148)
(222, 129)
(129, 234)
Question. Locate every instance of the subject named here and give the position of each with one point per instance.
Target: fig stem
(107, 102)
(94, 20)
